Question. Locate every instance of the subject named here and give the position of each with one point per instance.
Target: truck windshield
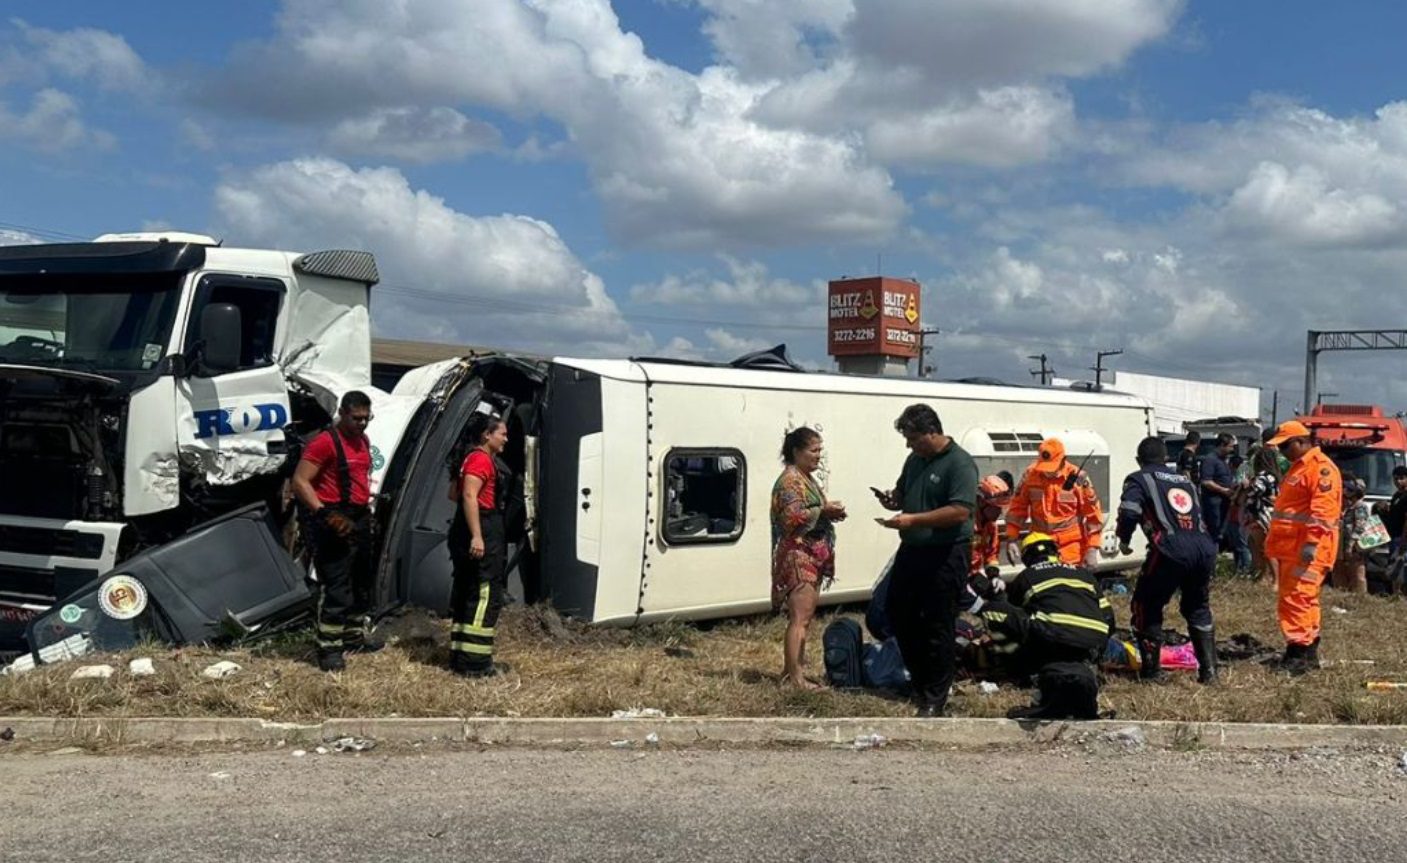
(1373, 466)
(99, 322)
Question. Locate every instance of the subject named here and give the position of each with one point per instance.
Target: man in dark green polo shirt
(936, 495)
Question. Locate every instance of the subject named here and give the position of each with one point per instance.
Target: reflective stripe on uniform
(467, 647)
(1054, 526)
(1071, 620)
(994, 616)
(1062, 582)
(1301, 518)
(471, 629)
(483, 606)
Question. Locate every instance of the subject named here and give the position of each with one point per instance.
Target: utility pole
(924, 370)
(1046, 372)
(1275, 409)
(1098, 367)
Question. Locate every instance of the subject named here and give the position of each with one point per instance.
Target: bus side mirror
(221, 331)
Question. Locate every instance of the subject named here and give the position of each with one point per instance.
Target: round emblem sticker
(122, 597)
(70, 614)
(1181, 501)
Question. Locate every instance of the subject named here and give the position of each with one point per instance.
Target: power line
(530, 307)
(40, 232)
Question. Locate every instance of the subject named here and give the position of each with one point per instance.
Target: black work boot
(491, 669)
(1300, 659)
(331, 660)
(1204, 646)
(1150, 655)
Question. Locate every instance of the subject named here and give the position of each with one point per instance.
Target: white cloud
(774, 38)
(994, 42)
(510, 281)
(414, 135)
(1300, 205)
(748, 284)
(1000, 128)
(675, 157)
(97, 56)
(51, 124)
(935, 82)
(732, 346)
(1286, 173)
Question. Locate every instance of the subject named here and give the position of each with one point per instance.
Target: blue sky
(1197, 183)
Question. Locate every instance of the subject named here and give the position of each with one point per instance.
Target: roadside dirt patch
(561, 668)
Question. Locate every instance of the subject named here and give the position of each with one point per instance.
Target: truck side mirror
(221, 331)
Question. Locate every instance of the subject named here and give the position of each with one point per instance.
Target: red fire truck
(1363, 440)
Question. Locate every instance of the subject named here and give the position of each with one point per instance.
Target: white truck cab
(147, 382)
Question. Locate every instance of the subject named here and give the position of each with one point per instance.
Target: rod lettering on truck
(231, 421)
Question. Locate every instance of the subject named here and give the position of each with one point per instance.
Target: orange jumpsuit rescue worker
(1056, 498)
(1303, 541)
(478, 546)
(333, 484)
(993, 497)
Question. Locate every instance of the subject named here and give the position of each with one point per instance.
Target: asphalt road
(752, 806)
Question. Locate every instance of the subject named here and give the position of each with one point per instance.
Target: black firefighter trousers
(477, 596)
(344, 581)
(925, 584)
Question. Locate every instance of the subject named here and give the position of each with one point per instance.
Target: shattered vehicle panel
(225, 580)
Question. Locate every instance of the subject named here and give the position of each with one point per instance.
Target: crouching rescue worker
(1181, 557)
(1303, 541)
(1057, 499)
(479, 549)
(993, 497)
(333, 484)
(1054, 624)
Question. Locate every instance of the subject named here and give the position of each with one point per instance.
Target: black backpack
(842, 644)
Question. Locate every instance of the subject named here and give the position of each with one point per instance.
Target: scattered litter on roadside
(652, 738)
(1131, 736)
(1384, 685)
(6, 735)
(638, 713)
(1402, 764)
(299, 753)
(679, 652)
(91, 672)
(621, 744)
(1337, 609)
(219, 775)
(987, 687)
(141, 667)
(1354, 662)
(221, 670)
(322, 750)
(869, 741)
(353, 744)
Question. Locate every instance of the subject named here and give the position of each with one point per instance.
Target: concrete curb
(689, 731)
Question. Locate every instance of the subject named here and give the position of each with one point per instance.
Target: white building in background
(1178, 400)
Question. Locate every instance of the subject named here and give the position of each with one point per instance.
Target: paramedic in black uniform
(1181, 557)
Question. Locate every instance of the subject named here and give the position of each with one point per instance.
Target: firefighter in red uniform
(333, 484)
(1056, 498)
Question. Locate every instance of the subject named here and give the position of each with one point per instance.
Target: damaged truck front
(150, 384)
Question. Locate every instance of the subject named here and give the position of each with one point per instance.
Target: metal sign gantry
(1344, 340)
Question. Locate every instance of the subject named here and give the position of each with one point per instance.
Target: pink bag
(1182, 657)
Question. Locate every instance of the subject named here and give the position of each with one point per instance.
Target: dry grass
(730, 669)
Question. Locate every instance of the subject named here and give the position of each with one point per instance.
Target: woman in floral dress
(803, 545)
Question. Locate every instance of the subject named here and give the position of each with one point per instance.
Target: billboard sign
(877, 316)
